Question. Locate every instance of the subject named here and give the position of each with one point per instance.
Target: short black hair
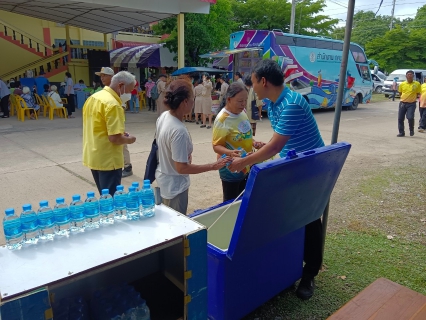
(68, 74)
(270, 70)
(247, 81)
(238, 74)
(409, 71)
(80, 81)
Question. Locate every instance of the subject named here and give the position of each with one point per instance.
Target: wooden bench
(384, 300)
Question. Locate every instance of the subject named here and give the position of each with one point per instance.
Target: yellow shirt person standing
(408, 91)
(422, 109)
(103, 131)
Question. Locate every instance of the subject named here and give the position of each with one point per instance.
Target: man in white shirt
(4, 103)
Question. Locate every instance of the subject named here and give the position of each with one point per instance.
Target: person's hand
(131, 139)
(126, 134)
(221, 162)
(258, 144)
(237, 165)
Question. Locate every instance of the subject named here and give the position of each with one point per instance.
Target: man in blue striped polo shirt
(294, 128)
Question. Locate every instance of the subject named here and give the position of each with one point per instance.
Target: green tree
(203, 32)
(419, 22)
(275, 14)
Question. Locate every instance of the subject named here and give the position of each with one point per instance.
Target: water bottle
(46, 221)
(91, 211)
(120, 197)
(29, 225)
(148, 200)
(106, 207)
(132, 204)
(12, 230)
(243, 154)
(78, 219)
(62, 216)
(139, 191)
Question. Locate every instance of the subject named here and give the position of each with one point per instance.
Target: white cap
(105, 70)
(63, 84)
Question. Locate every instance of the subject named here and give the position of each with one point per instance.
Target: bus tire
(355, 103)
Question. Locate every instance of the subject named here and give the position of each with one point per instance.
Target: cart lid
(284, 195)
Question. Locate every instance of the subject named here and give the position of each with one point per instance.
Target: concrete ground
(41, 159)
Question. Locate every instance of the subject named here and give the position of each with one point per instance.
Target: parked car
(378, 83)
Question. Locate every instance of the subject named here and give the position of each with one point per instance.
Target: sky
(403, 8)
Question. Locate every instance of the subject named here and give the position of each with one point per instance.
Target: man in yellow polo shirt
(408, 91)
(422, 107)
(103, 131)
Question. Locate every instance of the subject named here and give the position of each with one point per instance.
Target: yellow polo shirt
(409, 91)
(103, 116)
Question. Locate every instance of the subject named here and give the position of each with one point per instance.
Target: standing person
(252, 102)
(106, 75)
(238, 78)
(294, 128)
(394, 88)
(206, 103)
(175, 148)
(422, 107)
(103, 131)
(198, 94)
(231, 131)
(222, 93)
(161, 88)
(69, 93)
(148, 87)
(408, 91)
(4, 96)
(134, 102)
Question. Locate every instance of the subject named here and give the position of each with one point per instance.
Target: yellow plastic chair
(13, 106)
(22, 109)
(142, 99)
(64, 100)
(41, 103)
(60, 111)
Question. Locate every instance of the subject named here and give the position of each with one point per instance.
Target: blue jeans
(134, 103)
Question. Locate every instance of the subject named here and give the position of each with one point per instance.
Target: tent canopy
(228, 52)
(104, 16)
(154, 55)
(189, 70)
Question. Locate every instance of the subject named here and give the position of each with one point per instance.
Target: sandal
(203, 126)
(71, 117)
(5, 117)
(208, 127)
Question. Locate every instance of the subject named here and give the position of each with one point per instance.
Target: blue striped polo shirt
(292, 116)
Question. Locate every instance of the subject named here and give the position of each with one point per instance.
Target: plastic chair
(13, 107)
(142, 99)
(64, 100)
(60, 111)
(22, 109)
(41, 103)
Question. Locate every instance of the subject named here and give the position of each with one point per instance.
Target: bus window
(364, 72)
(338, 46)
(358, 54)
(304, 42)
(321, 44)
(284, 41)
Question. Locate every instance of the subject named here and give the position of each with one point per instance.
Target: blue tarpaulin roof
(188, 70)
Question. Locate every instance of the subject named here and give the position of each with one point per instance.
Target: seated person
(46, 89)
(18, 89)
(96, 87)
(28, 98)
(80, 86)
(55, 97)
(62, 89)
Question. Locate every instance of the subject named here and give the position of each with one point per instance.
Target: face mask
(125, 96)
(94, 84)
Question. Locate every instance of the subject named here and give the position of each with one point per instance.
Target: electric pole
(293, 15)
(392, 13)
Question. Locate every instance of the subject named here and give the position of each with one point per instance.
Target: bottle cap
(105, 192)
(120, 187)
(60, 200)
(76, 197)
(132, 189)
(90, 194)
(44, 203)
(26, 207)
(10, 211)
(135, 184)
(147, 181)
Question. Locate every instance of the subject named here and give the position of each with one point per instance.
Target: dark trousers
(231, 190)
(151, 104)
(422, 122)
(71, 104)
(393, 95)
(4, 104)
(313, 249)
(107, 180)
(406, 109)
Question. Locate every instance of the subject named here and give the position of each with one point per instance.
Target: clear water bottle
(91, 211)
(62, 216)
(120, 198)
(148, 200)
(132, 204)
(46, 221)
(106, 207)
(139, 191)
(12, 230)
(78, 219)
(29, 224)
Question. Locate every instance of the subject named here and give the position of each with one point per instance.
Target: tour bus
(311, 65)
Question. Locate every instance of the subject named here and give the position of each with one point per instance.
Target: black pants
(393, 95)
(406, 109)
(422, 122)
(107, 180)
(71, 104)
(4, 103)
(313, 249)
(151, 104)
(231, 190)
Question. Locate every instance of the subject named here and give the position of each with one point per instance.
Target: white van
(419, 75)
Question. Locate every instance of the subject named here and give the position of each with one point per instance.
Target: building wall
(13, 57)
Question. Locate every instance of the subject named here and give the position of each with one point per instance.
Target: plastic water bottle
(148, 200)
(106, 207)
(91, 211)
(62, 216)
(139, 191)
(12, 230)
(46, 221)
(120, 198)
(243, 155)
(78, 219)
(29, 225)
(132, 204)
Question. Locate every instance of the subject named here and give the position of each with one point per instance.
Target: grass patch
(359, 258)
(378, 97)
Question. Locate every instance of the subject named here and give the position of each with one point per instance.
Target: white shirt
(67, 89)
(174, 144)
(56, 98)
(4, 90)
